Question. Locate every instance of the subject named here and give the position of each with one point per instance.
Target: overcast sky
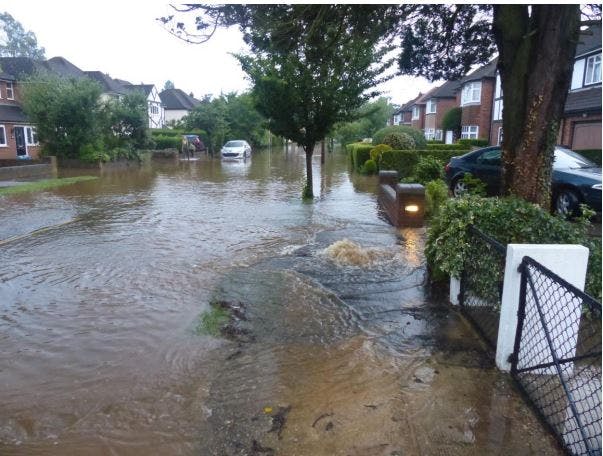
(123, 39)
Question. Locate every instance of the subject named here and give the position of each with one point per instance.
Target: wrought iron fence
(557, 357)
(482, 283)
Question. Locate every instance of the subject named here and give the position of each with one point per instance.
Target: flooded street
(103, 285)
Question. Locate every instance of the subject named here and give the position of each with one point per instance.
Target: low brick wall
(28, 169)
(395, 198)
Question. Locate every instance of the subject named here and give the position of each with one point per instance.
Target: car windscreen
(568, 159)
(235, 144)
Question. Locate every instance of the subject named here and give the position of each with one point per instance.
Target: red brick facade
(479, 114)
(581, 132)
(420, 122)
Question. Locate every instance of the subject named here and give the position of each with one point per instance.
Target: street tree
(535, 44)
(15, 41)
(168, 85)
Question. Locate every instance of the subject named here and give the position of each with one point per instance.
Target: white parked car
(236, 149)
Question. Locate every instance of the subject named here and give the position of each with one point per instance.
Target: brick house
(581, 124)
(438, 102)
(17, 136)
(475, 96)
(403, 115)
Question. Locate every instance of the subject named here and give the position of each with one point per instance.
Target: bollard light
(411, 208)
(411, 204)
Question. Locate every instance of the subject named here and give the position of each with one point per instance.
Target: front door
(448, 137)
(20, 140)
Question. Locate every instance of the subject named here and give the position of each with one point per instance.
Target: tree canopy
(15, 41)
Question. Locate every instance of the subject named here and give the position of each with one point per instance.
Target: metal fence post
(567, 261)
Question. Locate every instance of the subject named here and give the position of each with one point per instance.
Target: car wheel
(459, 188)
(566, 203)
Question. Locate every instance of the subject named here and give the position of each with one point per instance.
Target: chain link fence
(557, 357)
(482, 283)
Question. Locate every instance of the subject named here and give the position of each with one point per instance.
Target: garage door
(587, 136)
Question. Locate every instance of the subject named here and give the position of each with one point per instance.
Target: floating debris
(346, 252)
(279, 419)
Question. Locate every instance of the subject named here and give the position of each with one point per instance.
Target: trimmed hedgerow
(369, 167)
(417, 135)
(509, 220)
(474, 142)
(377, 151)
(405, 161)
(167, 142)
(359, 153)
(447, 147)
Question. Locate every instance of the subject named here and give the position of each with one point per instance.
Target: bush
(167, 142)
(474, 185)
(447, 147)
(369, 167)
(509, 220)
(593, 155)
(473, 142)
(359, 153)
(434, 141)
(416, 134)
(436, 193)
(399, 141)
(452, 121)
(428, 168)
(405, 161)
(377, 151)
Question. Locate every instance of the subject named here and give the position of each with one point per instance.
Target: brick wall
(10, 150)
(420, 122)
(496, 124)
(480, 114)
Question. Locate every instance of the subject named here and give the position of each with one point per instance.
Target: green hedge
(405, 161)
(417, 135)
(474, 142)
(593, 155)
(509, 220)
(359, 153)
(435, 146)
(167, 142)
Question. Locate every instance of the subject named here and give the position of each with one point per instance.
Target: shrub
(473, 142)
(359, 153)
(93, 152)
(593, 155)
(399, 141)
(475, 186)
(428, 168)
(436, 193)
(452, 121)
(434, 141)
(403, 161)
(416, 134)
(447, 147)
(377, 151)
(369, 167)
(167, 142)
(509, 220)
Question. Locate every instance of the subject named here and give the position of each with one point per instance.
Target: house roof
(12, 113)
(107, 83)
(123, 82)
(590, 40)
(177, 99)
(447, 90)
(422, 99)
(583, 101)
(145, 88)
(486, 71)
(6, 76)
(26, 66)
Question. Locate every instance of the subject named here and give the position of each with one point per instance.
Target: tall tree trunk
(308, 190)
(536, 56)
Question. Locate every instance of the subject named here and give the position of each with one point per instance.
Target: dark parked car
(194, 141)
(575, 179)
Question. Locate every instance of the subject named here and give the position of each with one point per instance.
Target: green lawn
(43, 185)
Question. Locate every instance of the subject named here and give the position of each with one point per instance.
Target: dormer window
(431, 106)
(415, 112)
(593, 70)
(10, 94)
(472, 93)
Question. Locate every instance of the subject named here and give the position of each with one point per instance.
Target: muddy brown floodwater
(99, 353)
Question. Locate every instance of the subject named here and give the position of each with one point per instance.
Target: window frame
(469, 90)
(586, 70)
(467, 133)
(418, 111)
(431, 103)
(12, 90)
(30, 131)
(429, 134)
(3, 128)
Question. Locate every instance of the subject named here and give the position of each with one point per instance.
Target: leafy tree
(244, 121)
(536, 45)
(168, 85)
(210, 116)
(452, 121)
(127, 121)
(67, 113)
(15, 41)
(372, 117)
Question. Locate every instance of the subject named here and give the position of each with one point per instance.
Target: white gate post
(567, 261)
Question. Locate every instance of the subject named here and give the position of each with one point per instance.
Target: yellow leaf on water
(267, 410)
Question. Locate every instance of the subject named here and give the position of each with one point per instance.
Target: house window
(500, 136)
(469, 132)
(429, 134)
(431, 106)
(10, 95)
(498, 109)
(593, 70)
(397, 119)
(415, 112)
(3, 136)
(472, 93)
(31, 136)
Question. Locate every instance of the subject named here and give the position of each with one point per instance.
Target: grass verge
(45, 184)
(211, 321)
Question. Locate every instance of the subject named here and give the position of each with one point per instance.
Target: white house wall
(156, 119)
(174, 114)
